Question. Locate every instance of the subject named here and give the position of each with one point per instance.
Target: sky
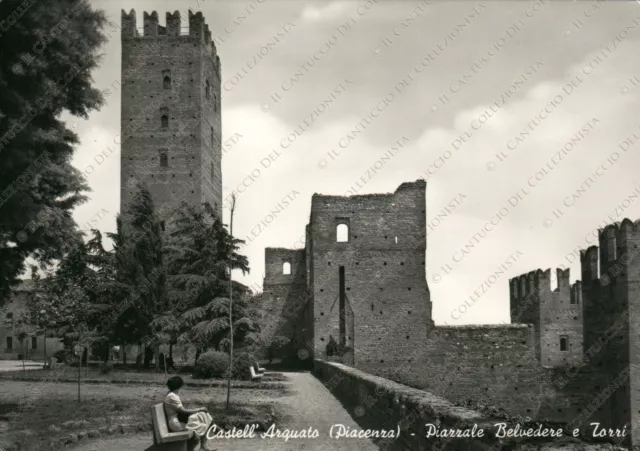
(520, 115)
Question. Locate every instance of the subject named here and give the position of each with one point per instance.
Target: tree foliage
(48, 53)
(200, 252)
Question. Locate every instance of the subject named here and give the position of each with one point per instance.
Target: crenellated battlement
(197, 29)
(537, 282)
(618, 244)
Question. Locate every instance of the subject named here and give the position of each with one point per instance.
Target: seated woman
(173, 408)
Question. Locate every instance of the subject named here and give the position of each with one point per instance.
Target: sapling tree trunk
(79, 369)
(233, 207)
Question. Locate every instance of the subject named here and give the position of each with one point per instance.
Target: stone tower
(170, 118)
(555, 314)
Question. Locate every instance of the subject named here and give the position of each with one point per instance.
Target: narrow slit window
(164, 160)
(286, 268)
(164, 121)
(564, 343)
(166, 82)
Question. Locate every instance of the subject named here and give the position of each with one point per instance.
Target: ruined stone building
(362, 270)
(569, 355)
(170, 118)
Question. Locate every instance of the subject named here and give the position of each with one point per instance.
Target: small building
(32, 347)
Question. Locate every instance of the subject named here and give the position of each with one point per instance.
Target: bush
(211, 364)
(241, 363)
(61, 355)
(72, 360)
(106, 367)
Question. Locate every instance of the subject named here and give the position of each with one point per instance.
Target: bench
(255, 376)
(166, 440)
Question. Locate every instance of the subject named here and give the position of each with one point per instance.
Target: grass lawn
(93, 375)
(34, 413)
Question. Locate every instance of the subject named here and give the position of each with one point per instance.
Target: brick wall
(474, 365)
(611, 293)
(380, 404)
(285, 300)
(384, 271)
(555, 314)
(189, 61)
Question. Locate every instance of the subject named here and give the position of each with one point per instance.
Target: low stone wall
(380, 404)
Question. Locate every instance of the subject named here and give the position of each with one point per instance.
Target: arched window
(164, 120)
(286, 268)
(564, 340)
(166, 79)
(207, 89)
(342, 233)
(164, 160)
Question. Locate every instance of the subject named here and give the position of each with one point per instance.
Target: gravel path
(310, 406)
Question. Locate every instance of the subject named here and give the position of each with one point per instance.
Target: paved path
(310, 405)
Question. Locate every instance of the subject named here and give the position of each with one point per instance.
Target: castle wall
(380, 404)
(384, 272)
(285, 300)
(611, 284)
(189, 61)
(474, 365)
(556, 315)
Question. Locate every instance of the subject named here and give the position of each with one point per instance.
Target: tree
(140, 272)
(199, 252)
(48, 54)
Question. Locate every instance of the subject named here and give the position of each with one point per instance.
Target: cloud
(323, 11)
(258, 136)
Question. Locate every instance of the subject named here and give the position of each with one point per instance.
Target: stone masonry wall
(285, 300)
(611, 293)
(384, 271)
(556, 315)
(380, 404)
(474, 365)
(189, 61)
